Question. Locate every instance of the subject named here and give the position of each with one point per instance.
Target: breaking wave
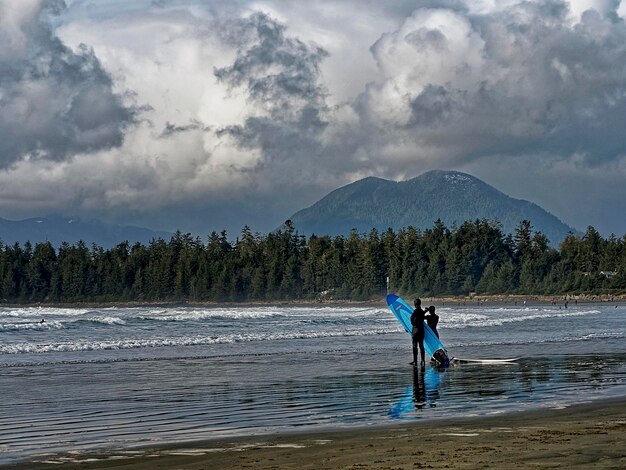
(96, 345)
(32, 326)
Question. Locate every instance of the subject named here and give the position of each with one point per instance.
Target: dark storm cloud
(279, 71)
(54, 102)
(545, 86)
(432, 106)
(281, 74)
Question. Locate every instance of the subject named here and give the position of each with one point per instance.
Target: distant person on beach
(417, 334)
(432, 319)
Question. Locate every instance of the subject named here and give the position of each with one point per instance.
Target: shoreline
(438, 301)
(587, 435)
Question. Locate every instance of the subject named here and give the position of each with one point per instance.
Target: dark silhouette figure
(417, 335)
(432, 319)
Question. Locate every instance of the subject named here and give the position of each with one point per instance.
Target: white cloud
(603, 7)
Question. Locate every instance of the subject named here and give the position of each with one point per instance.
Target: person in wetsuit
(417, 334)
(432, 319)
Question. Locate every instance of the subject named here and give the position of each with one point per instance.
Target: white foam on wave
(190, 313)
(196, 340)
(242, 313)
(34, 323)
(559, 339)
(205, 314)
(107, 320)
(29, 312)
(456, 320)
(611, 335)
(335, 310)
(33, 326)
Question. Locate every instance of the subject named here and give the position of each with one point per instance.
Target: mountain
(57, 229)
(451, 196)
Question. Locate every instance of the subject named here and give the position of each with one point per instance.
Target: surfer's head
(418, 302)
(431, 309)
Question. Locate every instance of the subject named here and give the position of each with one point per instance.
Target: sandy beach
(583, 436)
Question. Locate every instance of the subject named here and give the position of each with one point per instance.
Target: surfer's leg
(414, 343)
(422, 352)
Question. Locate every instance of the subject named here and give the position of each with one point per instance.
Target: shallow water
(122, 377)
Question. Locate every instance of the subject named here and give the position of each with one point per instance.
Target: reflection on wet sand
(465, 389)
(159, 401)
(423, 393)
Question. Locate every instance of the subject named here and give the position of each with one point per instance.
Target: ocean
(90, 379)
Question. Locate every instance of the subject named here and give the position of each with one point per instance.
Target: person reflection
(426, 384)
(419, 387)
(424, 391)
(433, 379)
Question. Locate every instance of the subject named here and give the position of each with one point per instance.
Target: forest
(475, 257)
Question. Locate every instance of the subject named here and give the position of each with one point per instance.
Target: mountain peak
(448, 177)
(447, 174)
(449, 195)
(456, 177)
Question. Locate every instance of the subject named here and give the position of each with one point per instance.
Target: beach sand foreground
(582, 436)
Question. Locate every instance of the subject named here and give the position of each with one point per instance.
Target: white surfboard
(461, 360)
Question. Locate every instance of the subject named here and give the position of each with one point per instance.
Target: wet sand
(582, 436)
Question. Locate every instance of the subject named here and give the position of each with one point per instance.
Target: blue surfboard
(432, 345)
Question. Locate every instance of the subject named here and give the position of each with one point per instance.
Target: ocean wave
(564, 339)
(34, 323)
(612, 335)
(191, 314)
(43, 311)
(194, 315)
(168, 314)
(32, 326)
(197, 340)
(107, 320)
(477, 320)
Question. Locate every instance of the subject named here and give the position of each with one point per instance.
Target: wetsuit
(417, 335)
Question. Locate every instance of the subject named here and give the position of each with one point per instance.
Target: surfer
(417, 334)
(432, 319)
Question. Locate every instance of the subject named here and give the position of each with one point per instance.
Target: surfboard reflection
(423, 393)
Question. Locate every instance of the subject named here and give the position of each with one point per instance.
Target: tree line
(476, 257)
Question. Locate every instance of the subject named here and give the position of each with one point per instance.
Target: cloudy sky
(203, 115)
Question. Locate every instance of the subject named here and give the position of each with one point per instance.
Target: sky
(210, 115)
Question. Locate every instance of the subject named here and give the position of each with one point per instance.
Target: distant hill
(57, 229)
(451, 196)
